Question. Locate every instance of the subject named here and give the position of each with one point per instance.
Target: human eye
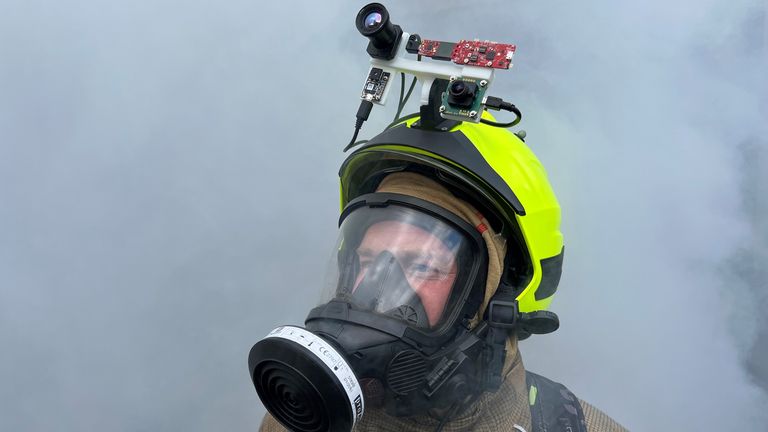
(365, 259)
(364, 263)
(423, 270)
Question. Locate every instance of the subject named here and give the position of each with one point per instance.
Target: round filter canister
(304, 382)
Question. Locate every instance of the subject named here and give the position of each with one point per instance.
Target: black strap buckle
(503, 314)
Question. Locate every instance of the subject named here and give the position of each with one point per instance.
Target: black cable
(354, 143)
(362, 115)
(354, 137)
(502, 125)
(397, 121)
(358, 125)
(402, 103)
(402, 91)
(365, 110)
(402, 119)
(499, 104)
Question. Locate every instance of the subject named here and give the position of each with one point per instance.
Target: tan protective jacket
(506, 410)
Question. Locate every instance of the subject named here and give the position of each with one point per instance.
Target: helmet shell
(492, 169)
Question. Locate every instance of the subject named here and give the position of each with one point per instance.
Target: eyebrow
(405, 254)
(408, 257)
(365, 252)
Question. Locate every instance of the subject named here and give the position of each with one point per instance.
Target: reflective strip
(532, 395)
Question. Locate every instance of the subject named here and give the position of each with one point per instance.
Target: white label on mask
(335, 362)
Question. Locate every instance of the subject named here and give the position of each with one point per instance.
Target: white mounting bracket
(426, 71)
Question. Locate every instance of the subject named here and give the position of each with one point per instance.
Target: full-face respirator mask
(394, 333)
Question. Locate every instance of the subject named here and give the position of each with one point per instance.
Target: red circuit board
(483, 53)
(472, 53)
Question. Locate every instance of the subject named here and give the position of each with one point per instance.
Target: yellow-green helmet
(492, 169)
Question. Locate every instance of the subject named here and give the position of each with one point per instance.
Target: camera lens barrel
(462, 93)
(373, 22)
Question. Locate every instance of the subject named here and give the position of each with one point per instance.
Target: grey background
(168, 195)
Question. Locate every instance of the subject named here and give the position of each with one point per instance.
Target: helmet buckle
(503, 313)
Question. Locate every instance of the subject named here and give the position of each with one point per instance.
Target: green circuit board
(463, 113)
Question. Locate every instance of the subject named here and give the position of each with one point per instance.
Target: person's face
(429, 266)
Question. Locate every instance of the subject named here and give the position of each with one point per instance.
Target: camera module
(373, 22)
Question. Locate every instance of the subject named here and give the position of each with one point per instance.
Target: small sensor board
(375, 84)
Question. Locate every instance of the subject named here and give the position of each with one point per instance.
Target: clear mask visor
(398, 262)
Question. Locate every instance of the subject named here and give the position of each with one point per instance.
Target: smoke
(168, 196)
(747, 276)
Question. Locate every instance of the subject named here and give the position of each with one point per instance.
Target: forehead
(397, 235)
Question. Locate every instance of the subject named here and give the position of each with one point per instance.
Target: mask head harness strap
(503, 317)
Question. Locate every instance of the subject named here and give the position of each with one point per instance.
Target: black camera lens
(373, 22)
(373, 19)
(458, 88)
(462, 93)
